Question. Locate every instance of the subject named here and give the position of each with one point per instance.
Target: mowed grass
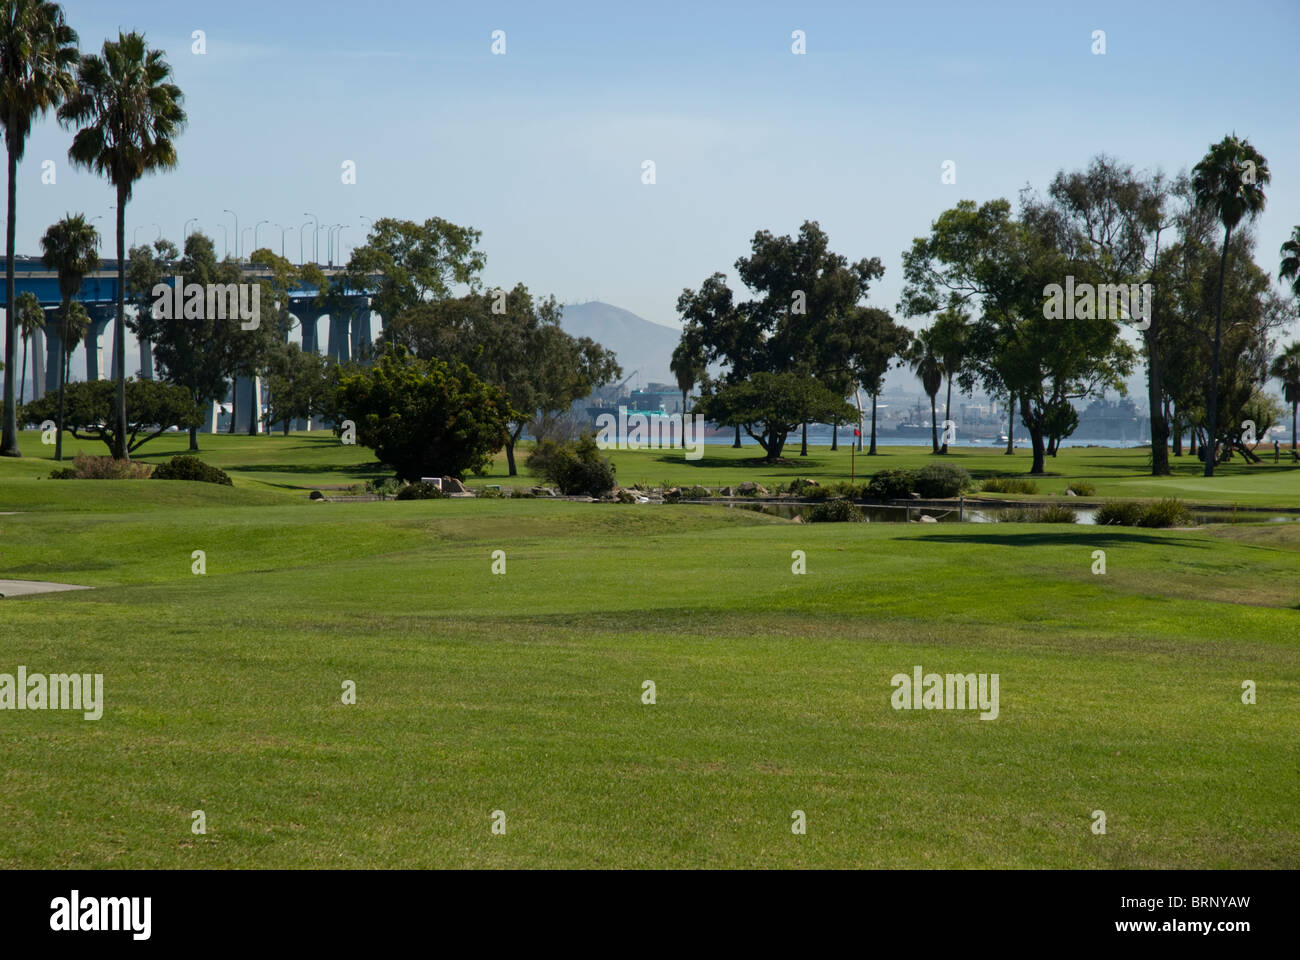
(523, 692)
(290, 466)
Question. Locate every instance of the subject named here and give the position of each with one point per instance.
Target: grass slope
(522, 692)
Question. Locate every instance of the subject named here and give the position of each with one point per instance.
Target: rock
(1070, 493)
(726, 492)
(797, 518)
(452, 485)
(804, 482)
(926, 519)
(544, 492)
(624, 496)
(317, 495)
(753, 489)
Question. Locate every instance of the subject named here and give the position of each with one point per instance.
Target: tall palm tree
(1290, 268)
(129, 112)
(68, 248)
(952, 343)
(687, 367)
(1286, 367)
(30, 318)
(37, 53)
(1229, 183)
(923, 358)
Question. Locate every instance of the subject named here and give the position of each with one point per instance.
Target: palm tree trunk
(835, 437)
(803, 446)
(22, 379)
(947, 414)
(119, 331)
(1213, 410)
(63, 376)
(1011, 423)
(934, 428)
(9, 440)
(1293, 406)
(736, 445)
(872, 451)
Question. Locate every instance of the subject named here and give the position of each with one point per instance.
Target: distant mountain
(639, 344)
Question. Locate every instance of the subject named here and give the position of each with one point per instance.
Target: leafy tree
(402, 263)
(154, 407)
(1286, 367)
(69, 249)
(31, 317)
(147, 266)
(950, 338)
(195, 352)
(37, 53)
(425, 417)
(876, 342)
(688, 367)
(301, 384)
(773, 404)
(1289, 269)
(1229, 182)
(129, 114)
(513, 341)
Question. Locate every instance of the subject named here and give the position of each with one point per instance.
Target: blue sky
(542, 148)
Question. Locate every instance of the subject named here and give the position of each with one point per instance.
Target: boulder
(804, 482)
(726, 492)
(1070, 493)
(625, 496)
(452, 485)
(750, 488)
(927, 519)
(317, 495)
(544, 492)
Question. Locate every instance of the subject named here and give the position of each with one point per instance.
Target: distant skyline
(542, 148)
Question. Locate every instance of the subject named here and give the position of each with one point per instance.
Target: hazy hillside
(640, 345)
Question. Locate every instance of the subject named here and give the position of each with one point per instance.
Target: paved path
(21, 588)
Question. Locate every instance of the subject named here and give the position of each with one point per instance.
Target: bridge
(349, 331)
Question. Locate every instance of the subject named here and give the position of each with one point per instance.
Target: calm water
(1084, 515)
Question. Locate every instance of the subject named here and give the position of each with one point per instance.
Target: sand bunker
(22, 588)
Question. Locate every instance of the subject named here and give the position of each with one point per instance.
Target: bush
(490, 494)
(420, 491)
(1166, 513)
(86, 467)
(1008, 485)
(1082, 488)
(687, 493)
(940, 480)
(834, 511)
(1119, 513)
(1052, 513)
(191, 468)
(891, 484)
(384, 488)
(574, 469)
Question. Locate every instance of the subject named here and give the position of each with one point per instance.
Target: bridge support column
(37, 348)
(100, 317)
(361, 341)
(248, 404)
(53, 354)
(211, 417)
(340, 344)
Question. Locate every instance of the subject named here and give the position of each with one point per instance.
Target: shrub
(1119, 513)
(191, 468)
(891, 484)
(1009, 485)
(940, 480)
(1082, 488)
(834, 511)
(420, 491)
(1051, 513)
(86, 467)
(384, 488)
(490, 494)
(687, 493)
(850, 491)
(1166, 513)
(574, 469)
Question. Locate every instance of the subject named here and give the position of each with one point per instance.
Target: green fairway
(522, 692)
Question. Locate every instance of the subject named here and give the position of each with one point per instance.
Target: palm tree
(30, 318)
(1229, 183)
(952, 336)
(688, 367)
(37, 52)
(68, 248)
(1290, 268)
(129, 113)
(1286, 367)
(923, 358)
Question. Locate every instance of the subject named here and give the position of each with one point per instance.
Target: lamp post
(259, 223)
(98, 239)
(241, 240)
(342, 227)
(283, 231)
(185, 230)
(236, 216)
(315, 242)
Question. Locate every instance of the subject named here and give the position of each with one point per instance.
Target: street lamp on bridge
(255, 229)
(315, 242)
(236, 216)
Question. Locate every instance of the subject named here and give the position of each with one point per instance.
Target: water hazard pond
(875, 513)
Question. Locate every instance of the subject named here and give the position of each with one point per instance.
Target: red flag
(857, 432)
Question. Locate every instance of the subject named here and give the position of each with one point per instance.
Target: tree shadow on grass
(1097, 536)
(791, 463)
(358, 469)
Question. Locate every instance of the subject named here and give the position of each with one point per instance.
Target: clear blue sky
(541, 148)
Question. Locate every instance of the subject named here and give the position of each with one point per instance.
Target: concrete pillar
(101, 315)
(146, 360)
(340, 344)
(53, 355)
(248, 403)
(37, 348)
(210, 419)
(361, 329)
(308, 318)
